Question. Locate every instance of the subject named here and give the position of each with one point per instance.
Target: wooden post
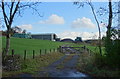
(61, 49)
(89, 52)
(25, 55)
(45, 51)
(54, 49)
(84, 48)
(12, 52)
(33, 54)
(40, 51)
(58, 49)
(50, 50)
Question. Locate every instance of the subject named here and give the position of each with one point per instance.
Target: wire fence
(31, 54)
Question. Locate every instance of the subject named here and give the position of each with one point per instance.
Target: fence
(81, 49)
(34, 53)
(59, 49)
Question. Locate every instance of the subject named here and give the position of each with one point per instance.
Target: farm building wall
(51, 37)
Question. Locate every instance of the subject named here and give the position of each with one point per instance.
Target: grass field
(94, 49)
(21, 44)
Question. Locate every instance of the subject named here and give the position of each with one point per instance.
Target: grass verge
(87, 64)
(33, 65)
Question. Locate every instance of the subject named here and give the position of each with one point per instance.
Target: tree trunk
(100, 50)
(108, 33)
(7, 43)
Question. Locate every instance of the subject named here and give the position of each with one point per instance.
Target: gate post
(60, 49)
(84, 48)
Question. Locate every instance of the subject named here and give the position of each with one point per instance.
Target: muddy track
(65, 67)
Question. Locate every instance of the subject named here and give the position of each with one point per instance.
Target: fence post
(45, 51)
(54, 50)
(58, 49)
(25, 55)
(89, 52)
(12, 52)
(33, 54)
(40, 51)
(50, 50)
(84, 48)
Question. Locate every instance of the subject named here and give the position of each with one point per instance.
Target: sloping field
(21, 44)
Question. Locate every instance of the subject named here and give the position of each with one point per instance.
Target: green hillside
(21, 44)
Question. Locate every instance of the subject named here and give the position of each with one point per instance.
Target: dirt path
(65, 67)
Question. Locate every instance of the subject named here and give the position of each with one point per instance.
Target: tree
(24, 31)
(108, 33)
(112, 39)
(16, 29)
(81, 4)
(10, 10)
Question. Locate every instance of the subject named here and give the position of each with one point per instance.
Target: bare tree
(16, 29)
(10, 10)
(108, 33)
(81, 4)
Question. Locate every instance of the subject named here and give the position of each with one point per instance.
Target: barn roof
(44, 34)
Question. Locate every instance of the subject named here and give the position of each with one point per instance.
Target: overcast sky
(62, 18)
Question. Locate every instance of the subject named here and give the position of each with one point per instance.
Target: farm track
(64, 67)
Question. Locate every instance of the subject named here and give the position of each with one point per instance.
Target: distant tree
(16, 29)
(10, 10)
(24, 31)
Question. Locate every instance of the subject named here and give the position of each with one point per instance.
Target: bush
(99, 61)
(112, 46)
(113, 57)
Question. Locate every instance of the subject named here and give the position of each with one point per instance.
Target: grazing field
(21, 44)
(94, 49)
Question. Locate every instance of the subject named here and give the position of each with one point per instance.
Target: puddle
(66, 73)
(68, 70)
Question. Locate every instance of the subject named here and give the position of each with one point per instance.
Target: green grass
(31, 66)
(0, 43)
(21, 44)
(94, 49)
(89, 64)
